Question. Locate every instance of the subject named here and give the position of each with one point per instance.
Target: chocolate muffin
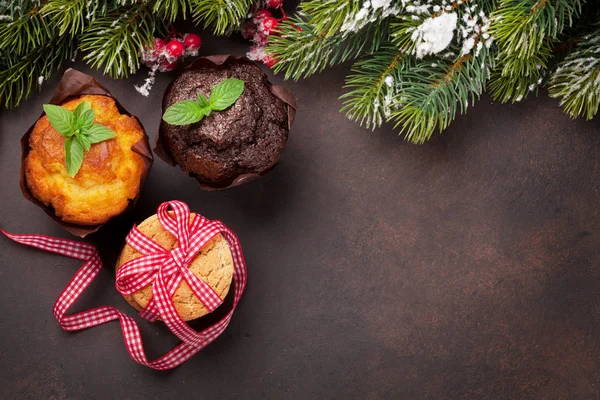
(246, 138)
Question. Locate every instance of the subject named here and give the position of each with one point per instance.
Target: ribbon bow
(165, 269)
(158, 266)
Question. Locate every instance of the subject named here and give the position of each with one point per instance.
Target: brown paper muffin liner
(280, 92)
(75, 83)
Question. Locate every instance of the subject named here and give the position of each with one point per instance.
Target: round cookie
(213, 264)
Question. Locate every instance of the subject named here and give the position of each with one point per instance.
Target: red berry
(274, 3)
(249, 30)
(158, 46)
(192, 41)
(262, 14)
(175, 49)
(269, 61)
(166, 66)
(268, 25)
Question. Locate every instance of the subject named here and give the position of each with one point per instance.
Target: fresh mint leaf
(79, 130)
(73, 155)
(85, 142)
(203, 101)
(81, 107)
(61, 119)
(99, 133)
(184, 113)
(226, 93)
(85, 121)
(187, 112)
(204, 104)
(84, 117)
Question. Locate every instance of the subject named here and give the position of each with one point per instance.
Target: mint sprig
(222, 96)
(79, 130)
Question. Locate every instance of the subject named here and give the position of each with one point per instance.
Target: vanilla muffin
(110, 175)
(213, 264)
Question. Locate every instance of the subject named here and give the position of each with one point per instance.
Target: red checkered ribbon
(164, 269)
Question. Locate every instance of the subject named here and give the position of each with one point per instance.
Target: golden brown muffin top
(213, 264)
(109, 176)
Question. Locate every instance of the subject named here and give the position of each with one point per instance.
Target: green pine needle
(521, 27)
(223, 16)
(518, 77)
(302, 52)
(387, 82)
(72, 16)
(171, 9)
(110, 32)
(21, 75)
(525, 32)
(366, 102)
(432, 94)
(323, 20)
(26, 33)
(576, 81)
(112, 44)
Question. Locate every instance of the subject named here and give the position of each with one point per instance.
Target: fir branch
(518, 77)
(401, 33)
(576, 81)
(408, 28)
(327, 17)
(347, 17)
(171, 9)
(113, 44)
(72, 16)
(11, 10)
(372, 82)
(433, 93)
(524, 31)
(20, 75)
(520, 27)
(301, 52)
(223, 16)
(26, 33)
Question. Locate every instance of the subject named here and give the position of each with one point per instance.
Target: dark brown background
(464, 268)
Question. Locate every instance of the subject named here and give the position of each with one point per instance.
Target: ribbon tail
(80, 281)
(99, 315)
(163, 290)
(65, 247)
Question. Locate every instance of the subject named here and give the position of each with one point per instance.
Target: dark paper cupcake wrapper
(72, 84)
(213, 61)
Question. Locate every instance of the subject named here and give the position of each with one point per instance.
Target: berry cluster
(259, 27)
(164, 54)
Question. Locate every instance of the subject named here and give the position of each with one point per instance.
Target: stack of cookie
(213, 264)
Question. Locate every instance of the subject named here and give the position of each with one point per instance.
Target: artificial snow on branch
(114, 43)
(309, 51)
(420, 63)
(576, 81)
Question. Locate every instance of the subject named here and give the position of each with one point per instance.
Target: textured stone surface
(466, 268)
